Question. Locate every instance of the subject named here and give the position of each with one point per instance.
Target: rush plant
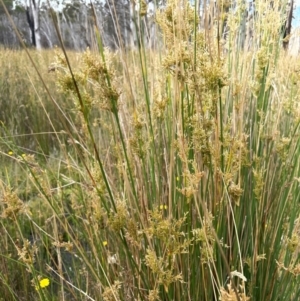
(178, 178)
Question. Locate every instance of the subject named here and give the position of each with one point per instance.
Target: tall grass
(26, 109)
(178, 174)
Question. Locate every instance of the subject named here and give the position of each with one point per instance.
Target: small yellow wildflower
(161, 207)
(23, 155)
(10, 153)
(44, 282)
(104, 243)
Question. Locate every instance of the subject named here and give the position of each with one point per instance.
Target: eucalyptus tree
(33, 19)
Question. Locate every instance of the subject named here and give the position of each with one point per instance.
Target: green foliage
(8, 4)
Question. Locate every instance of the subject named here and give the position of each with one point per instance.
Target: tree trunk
(32, 12)
(288, 26)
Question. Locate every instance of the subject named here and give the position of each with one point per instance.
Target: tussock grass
(177, 177)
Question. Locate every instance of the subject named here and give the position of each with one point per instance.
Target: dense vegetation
(171, 174)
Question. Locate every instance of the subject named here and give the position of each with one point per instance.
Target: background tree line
(123, 23)
(116, 19)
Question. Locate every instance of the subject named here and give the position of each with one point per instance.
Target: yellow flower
(104, 243)
(161, 207)
(44, 282)
(10, 153)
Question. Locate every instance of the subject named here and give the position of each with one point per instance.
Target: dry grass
(169, 175)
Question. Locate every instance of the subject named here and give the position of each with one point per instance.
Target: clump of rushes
(12, 205)
(92, 78)
(183, 179)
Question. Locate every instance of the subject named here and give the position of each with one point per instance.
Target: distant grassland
(26, 107)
